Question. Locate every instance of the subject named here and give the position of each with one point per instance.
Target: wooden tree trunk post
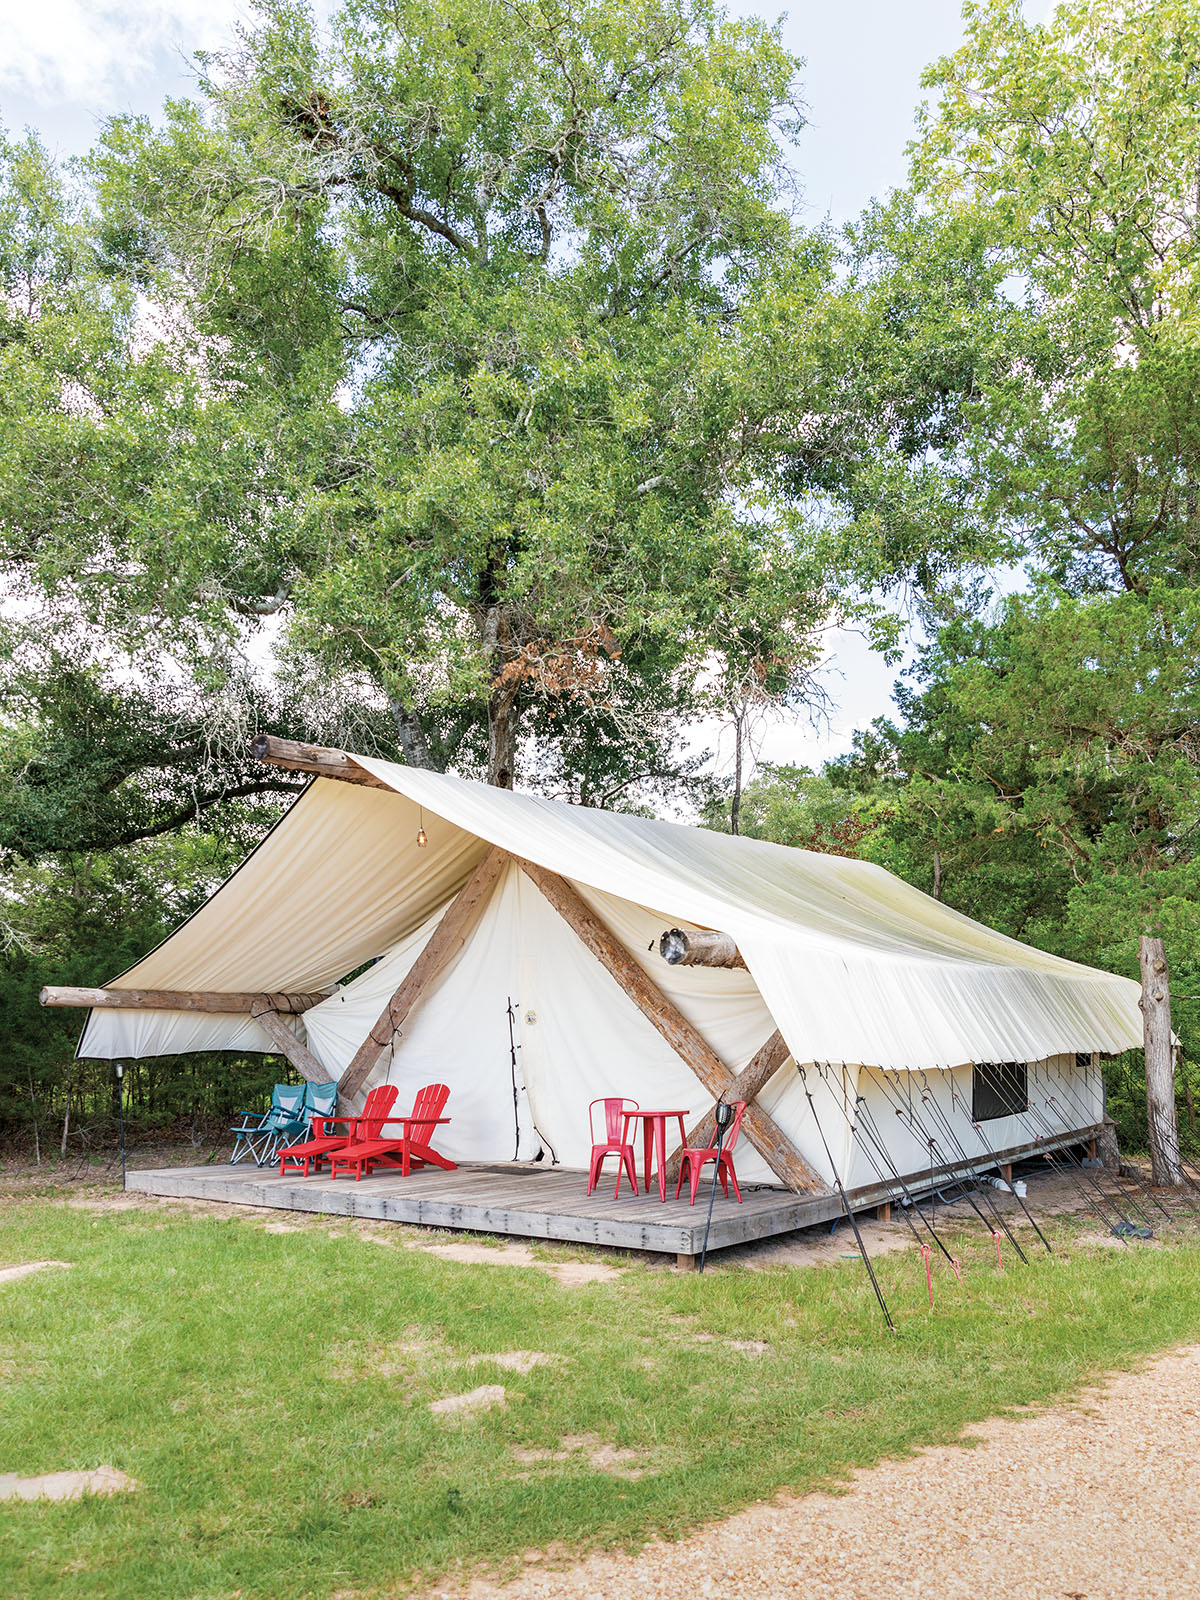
(755, 1075)
(214, 1001)
(1160, 1063)
(699, 947)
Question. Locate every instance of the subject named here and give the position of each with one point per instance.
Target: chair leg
(625, 1165)
(697, 1167)
(594, 1171)
(683, 1166)
(733, 1179)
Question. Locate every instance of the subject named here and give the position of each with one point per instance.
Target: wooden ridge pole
(176, 1000)
(316, 758)
(763, 1132)
(445, 942)
(699, 947)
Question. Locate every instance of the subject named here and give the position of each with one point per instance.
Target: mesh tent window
(999, 1089)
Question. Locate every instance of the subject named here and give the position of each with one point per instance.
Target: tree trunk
(1160, 1063)
(735, 809)
(502, 739)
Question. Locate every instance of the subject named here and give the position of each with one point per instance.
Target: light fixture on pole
(422, 838)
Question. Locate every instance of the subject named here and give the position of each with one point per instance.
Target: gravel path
(1087, 1502)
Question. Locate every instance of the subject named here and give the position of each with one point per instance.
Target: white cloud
(82, 51)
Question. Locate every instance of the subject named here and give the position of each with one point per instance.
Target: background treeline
(470, 387)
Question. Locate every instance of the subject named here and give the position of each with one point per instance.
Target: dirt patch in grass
(521, 1361)
(406, 1357)
(586, 1449)
(65, 1485)
(487, 1397)
(567, 1273)
(27, 1269)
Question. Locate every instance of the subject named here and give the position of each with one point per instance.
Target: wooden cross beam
(300, 1056)
(177, 1000)
(445, 942)
(755, 1075)
(763, 1132)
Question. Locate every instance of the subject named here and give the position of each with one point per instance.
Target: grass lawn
(270, 1392)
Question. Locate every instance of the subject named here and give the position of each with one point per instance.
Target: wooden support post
(446, 940)
(883, 1212)
(315, 758)
(685, 1263)
(1006, 1172)
(755, 1075)
(300, 1056)
(177, 1000)
(1166, 1167)
(763, 1132)
(1092, 1152)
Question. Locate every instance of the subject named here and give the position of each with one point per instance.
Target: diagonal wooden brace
(755, 1075)
(300, 1056)
(763, 1132)
(443, 944)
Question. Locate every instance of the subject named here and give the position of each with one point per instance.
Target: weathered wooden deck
(535, 1202)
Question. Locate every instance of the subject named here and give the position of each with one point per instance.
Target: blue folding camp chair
(259, 1135)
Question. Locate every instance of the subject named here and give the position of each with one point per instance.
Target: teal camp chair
(260, 1135)
(320, 1100)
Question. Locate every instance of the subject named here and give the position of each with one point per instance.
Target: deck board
(534, 1202)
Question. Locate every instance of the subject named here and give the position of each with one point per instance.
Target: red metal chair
(615, 1143)
(693, 1161)
(323, 1144)
(406, 1150)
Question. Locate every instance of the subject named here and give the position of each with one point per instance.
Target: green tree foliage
(474, 280)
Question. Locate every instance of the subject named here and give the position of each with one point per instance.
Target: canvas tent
(844, 964)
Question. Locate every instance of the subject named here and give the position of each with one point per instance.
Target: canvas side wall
(1065, 1093)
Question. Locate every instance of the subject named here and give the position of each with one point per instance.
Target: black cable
(885, 1182)
(922, 1131)
(862, 1110)
(722, 1116)
(988, 1152)
(512, 1052)
(1083, 1111)
(1048, 1133)
(850, 1218)
(1126, 1223)
(929, 1098)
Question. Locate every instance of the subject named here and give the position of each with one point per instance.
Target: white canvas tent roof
(852, 963)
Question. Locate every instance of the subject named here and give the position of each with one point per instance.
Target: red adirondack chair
(615, 1143)
(693, 1161)
(323, 1143)
(408, 1149)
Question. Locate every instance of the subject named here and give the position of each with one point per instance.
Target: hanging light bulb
(422, 838)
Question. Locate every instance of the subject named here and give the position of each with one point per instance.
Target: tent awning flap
(853, 964)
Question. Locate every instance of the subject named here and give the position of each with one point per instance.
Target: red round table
(654, 1134)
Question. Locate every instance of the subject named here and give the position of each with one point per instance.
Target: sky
(67, 64)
